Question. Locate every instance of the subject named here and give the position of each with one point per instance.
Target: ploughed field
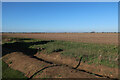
(59, 55)
(104, 38)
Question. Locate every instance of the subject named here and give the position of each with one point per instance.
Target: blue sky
(59, 16)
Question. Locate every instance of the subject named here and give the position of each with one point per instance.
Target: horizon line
(60, 1)
(61, 32)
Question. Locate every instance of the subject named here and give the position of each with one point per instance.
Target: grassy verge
(9, 73)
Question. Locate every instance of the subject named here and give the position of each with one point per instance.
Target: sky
(59, 16)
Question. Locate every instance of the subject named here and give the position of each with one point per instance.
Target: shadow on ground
(22, 47)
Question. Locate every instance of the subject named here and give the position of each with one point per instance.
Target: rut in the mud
(75, 68)
(42, 70)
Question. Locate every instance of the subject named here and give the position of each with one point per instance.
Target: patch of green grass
(31, 40)
(104, 54)
(92, 53)
(7, 72)
(59, 75)
(13, 39)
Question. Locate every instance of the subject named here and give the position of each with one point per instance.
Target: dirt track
(105, 38)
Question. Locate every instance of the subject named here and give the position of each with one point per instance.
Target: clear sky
(59, 16)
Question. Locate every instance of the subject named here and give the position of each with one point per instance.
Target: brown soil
(32, 67)
(97, 69)
(105, 38)
(24, 63)
(63, 72)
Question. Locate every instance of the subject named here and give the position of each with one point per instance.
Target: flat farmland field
(80, 55)
(102, 38)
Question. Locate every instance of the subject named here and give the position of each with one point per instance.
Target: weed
(59, 75)
(10, 62)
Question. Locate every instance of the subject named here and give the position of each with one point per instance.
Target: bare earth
(29, 66)
(59, 59)
(105, 38)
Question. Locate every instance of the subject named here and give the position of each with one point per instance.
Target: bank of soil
(97, 69)
(33, 67)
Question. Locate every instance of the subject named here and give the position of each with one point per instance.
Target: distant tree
(92, 32)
